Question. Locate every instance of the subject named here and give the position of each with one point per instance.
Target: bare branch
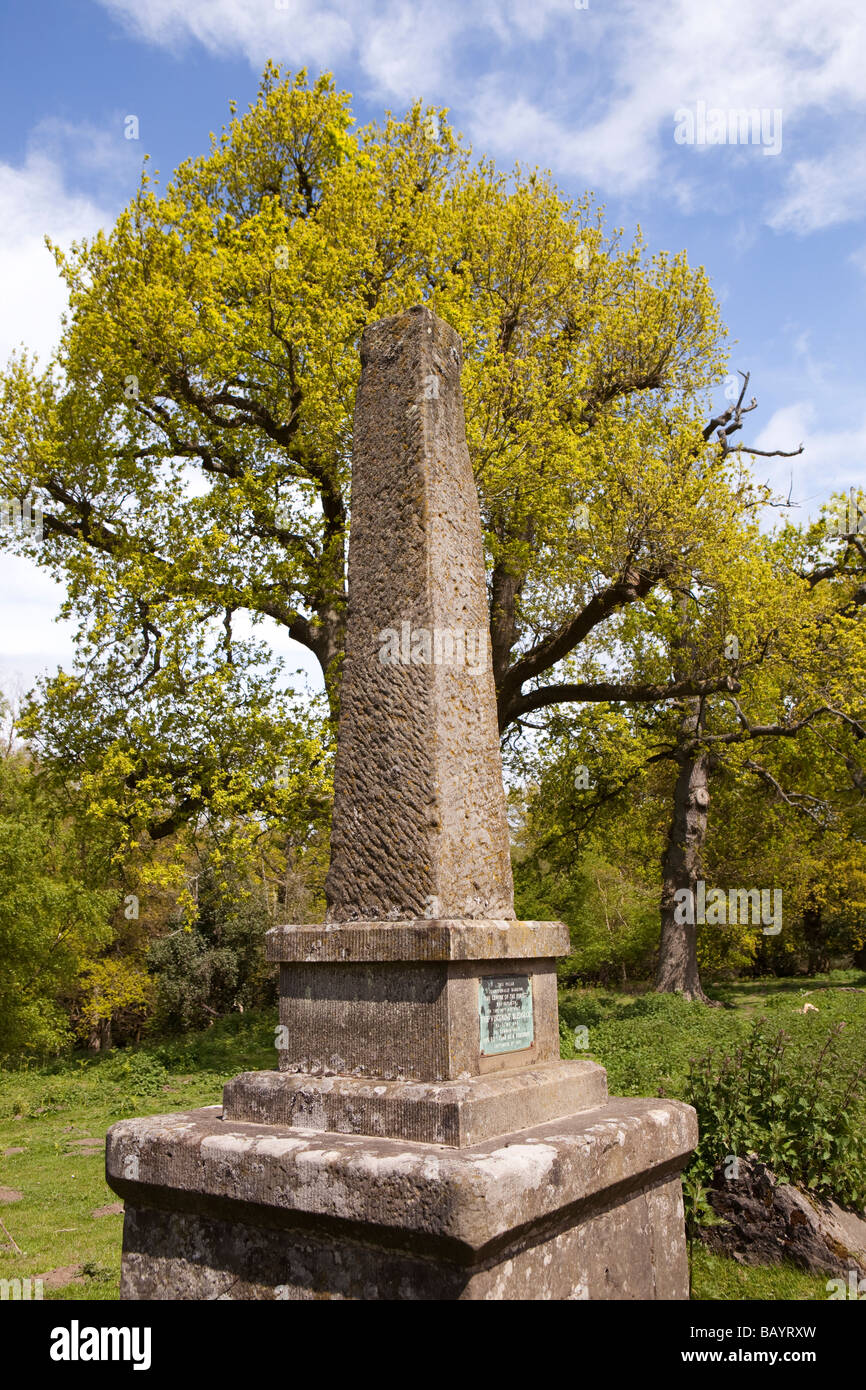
(771, 453)
(731, 421)
(764, 730)
(796, 800)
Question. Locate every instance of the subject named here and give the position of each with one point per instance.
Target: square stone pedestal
(422, 1139)
(400, 1000)
(585, 1207)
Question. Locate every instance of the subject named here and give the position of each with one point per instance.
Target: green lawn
(49, 1112)
(58, 1114)
(715, 1278)
(647, 1040)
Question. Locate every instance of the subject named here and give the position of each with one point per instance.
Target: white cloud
(406, 54)
(402, 47)
(36, 203)
(589, 92)
(824, 191)
(832, 460)
(656, 58)
(297, 31)
(82, 147)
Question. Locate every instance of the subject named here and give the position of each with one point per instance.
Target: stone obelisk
(419, 811)
(421, 1138)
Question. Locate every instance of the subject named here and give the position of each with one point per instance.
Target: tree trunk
(817, 960)
(681, 866)
(504, 589)
(99, 1037)
(326, 639)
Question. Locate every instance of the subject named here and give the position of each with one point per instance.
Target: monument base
(456, 1113)
(583, 1207)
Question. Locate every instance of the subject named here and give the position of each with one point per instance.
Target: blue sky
(593, 93)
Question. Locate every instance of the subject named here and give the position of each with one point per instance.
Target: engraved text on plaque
(505, 1008)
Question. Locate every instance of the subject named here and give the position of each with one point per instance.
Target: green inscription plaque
(505, 1007)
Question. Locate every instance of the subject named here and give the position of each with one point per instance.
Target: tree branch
(629, 588)
(795, 800)
(601, 691)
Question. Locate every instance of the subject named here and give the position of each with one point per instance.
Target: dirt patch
(8, 1153)
(10, 1194)
(84, 1148)
(113, 1209)
(59, 1278)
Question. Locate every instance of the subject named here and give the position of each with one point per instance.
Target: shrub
(646, 1042)
(142, 1073)
(800, 1107)
(195, 982)
(218, 966)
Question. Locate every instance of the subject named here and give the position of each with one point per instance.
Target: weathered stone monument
(421, 1139)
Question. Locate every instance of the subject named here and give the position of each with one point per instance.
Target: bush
(195, 983)
(218, 966)
(52, 919)
(803, 1111)
(801, 1108)
(140, 1072)
(646, 1042)
(613, 917)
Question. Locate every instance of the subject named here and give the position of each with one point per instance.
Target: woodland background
(680, 661)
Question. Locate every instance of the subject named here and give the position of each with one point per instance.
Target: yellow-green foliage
(52, 918)
(214, 333)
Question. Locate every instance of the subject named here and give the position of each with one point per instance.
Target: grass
(646, 1040)
(751, 996)
(716, 1279)
(48, 1110)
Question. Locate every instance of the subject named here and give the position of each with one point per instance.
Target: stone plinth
(585, 1207)
(457, 1113)
(400, 1000)
(382, 1033)
(418, 939)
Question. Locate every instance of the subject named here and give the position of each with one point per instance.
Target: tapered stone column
(421, 1138)
(419, 810)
